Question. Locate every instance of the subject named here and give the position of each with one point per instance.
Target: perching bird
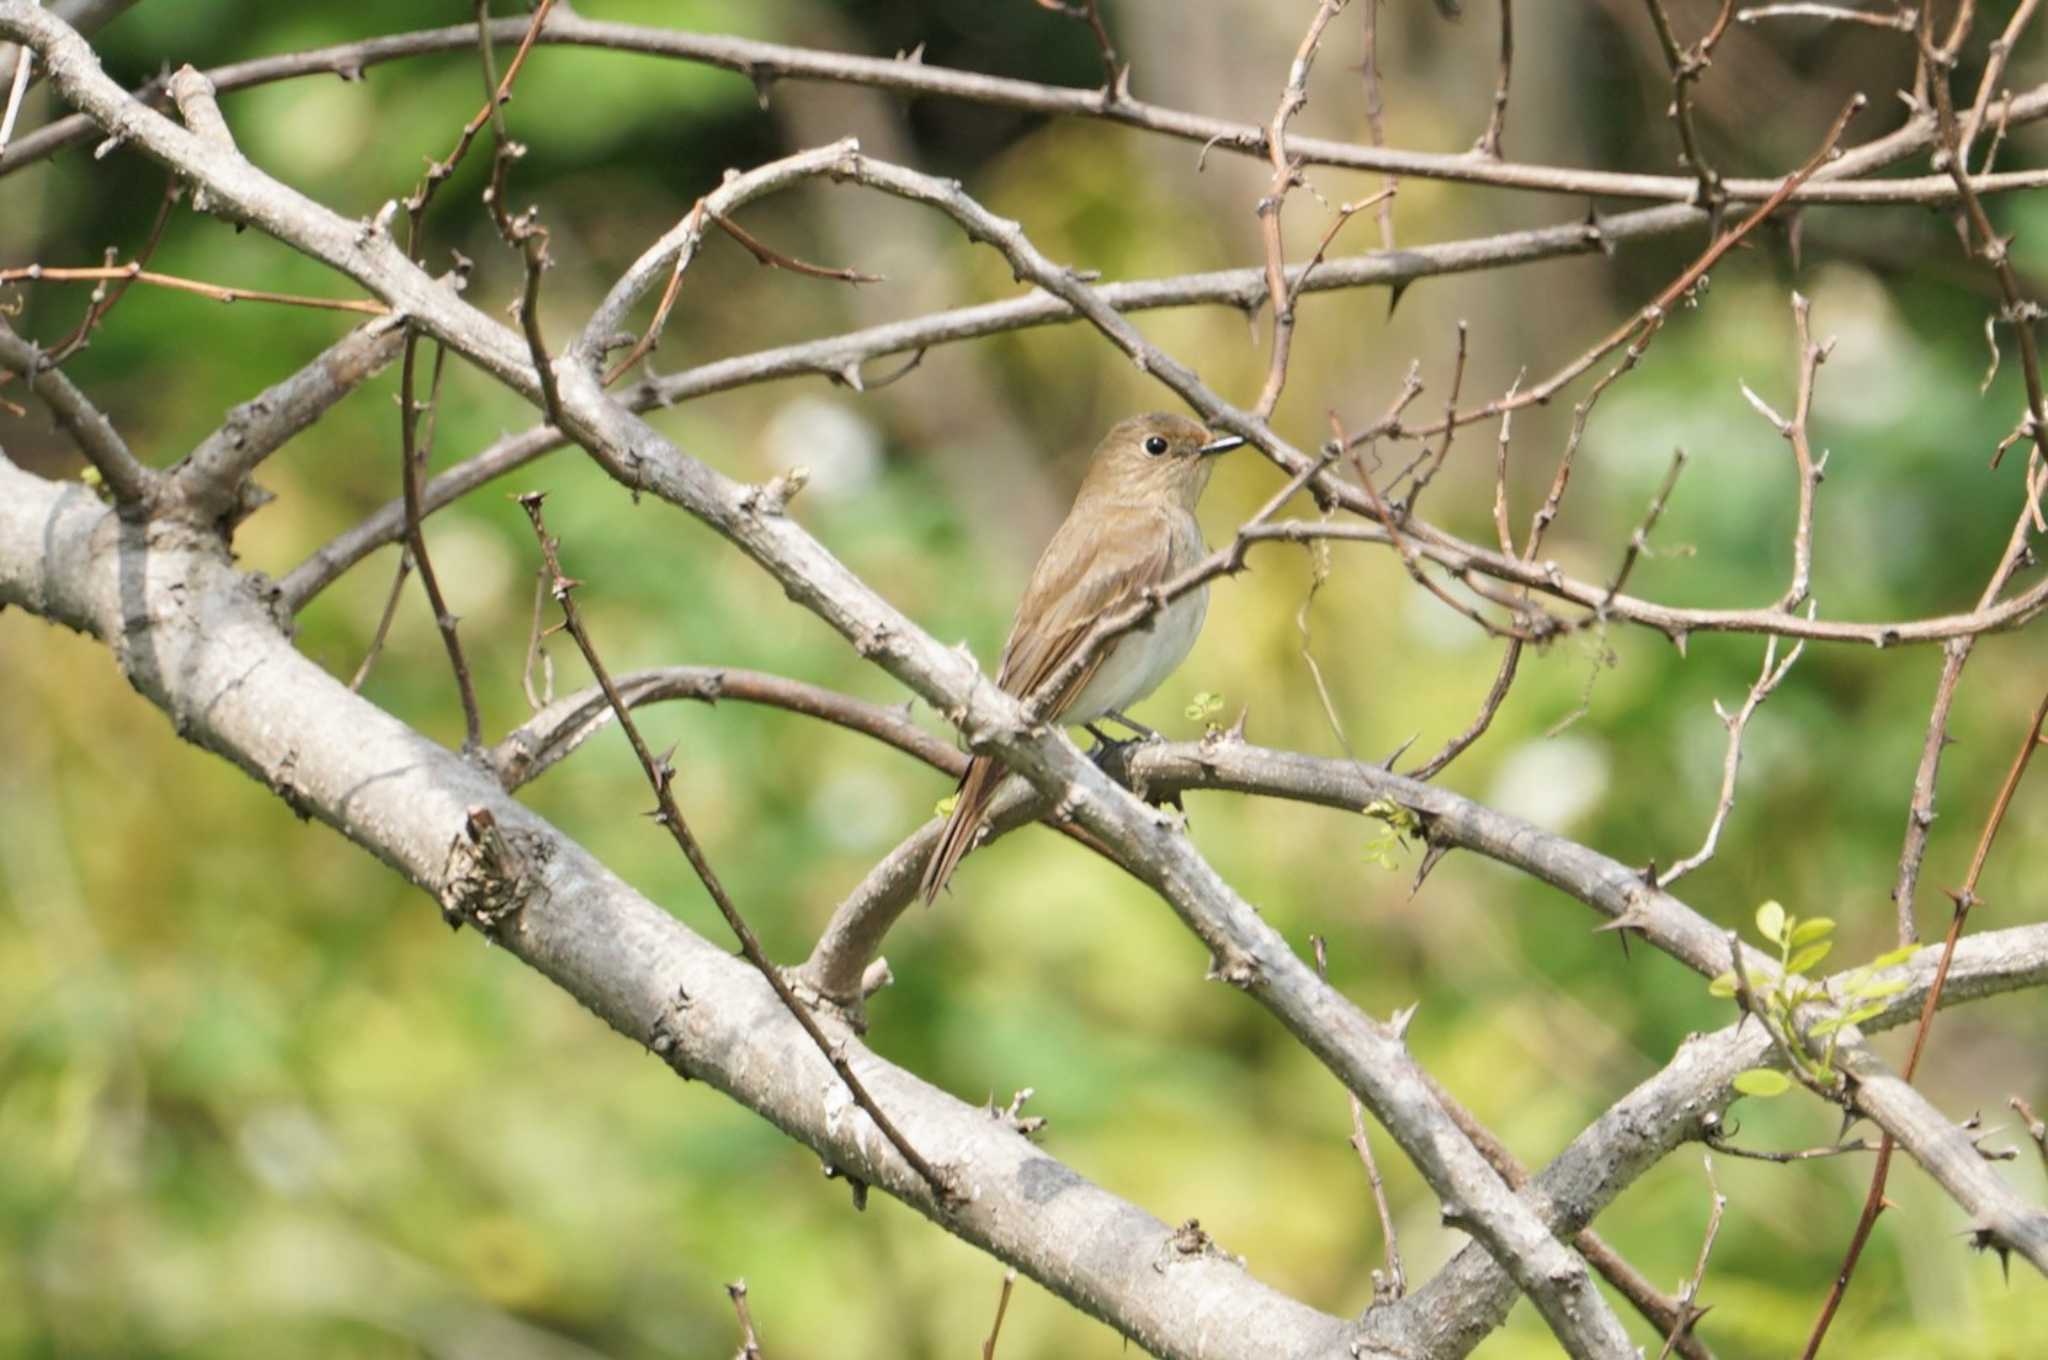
(1132, 528)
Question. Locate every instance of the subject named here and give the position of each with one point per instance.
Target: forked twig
(1286, 174)
(1768, 679)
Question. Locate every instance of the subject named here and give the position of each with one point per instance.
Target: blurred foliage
(255, 1100)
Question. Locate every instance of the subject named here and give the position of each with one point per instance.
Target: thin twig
(1811, 469)
(1429, 467)
(1768, 679)
(132, 483)
(1994, 68)
(1719, 1142)
(1503, 677)
(135, 273)
(16, 89)
(103, 298)
(2037, 1130)
(483, 36)
(1800, 9)
(1582, 411)
(1644, 323)
(536, 653)
(769, 255)
(391, 599)
(1391, 1284)
(1488, 144)
(1376, 122)
(1639, 538)
(1286, 174)
(750, 1344)
(1689, 1313)
(412, 464)
(661, 775)
(1687, 66)
(1115, 74)
(995, 1328)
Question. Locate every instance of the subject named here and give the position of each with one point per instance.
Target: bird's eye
(1156, 445)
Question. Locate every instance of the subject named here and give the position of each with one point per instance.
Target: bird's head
(1156, 455)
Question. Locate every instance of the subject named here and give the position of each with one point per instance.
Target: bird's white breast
(1140, 660)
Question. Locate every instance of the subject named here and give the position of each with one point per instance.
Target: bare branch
(211, 476)
(1488, 144)
(131, 483)
(766, 62)
(132, 273)
(1285, 177)
(661, 776)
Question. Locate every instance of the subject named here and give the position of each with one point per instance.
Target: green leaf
(1872, 991)
(1400, 819)
(1810, 930)
(944, 807)
(1893, 958)
(1797, 992)
(1862, 1013)
(1723, 985)
(1808, 956)
(1770, 922)
(1762, 1082)
(1828, 1026)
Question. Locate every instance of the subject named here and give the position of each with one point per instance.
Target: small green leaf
(1770, 922)
(1806, 932)
(1398, 818)
(1827, 1026)
(944, 807)
(1873, 991)
(1203, 705)
(1893, 958)
(1723, 985)
(1762, 1082)
(1808, 956)
(1797, 992)
(1862, 1013)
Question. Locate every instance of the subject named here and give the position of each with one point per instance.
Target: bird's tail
(977, 786)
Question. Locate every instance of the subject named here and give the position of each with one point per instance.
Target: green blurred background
(256, 1100)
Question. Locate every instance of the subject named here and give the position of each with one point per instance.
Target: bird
(1132, 527)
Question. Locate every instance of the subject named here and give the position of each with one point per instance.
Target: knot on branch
(772, 498)
(665, 1040)
(492, 872)
(1238, 969)
(1189, 1242)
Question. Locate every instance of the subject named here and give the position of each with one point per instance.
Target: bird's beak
(1222, 444)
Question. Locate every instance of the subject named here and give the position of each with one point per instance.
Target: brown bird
(1132, 528)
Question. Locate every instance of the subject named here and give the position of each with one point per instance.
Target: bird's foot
(1144, 733)
(1113, 758)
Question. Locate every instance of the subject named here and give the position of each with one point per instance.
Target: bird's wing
(1081, 576)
